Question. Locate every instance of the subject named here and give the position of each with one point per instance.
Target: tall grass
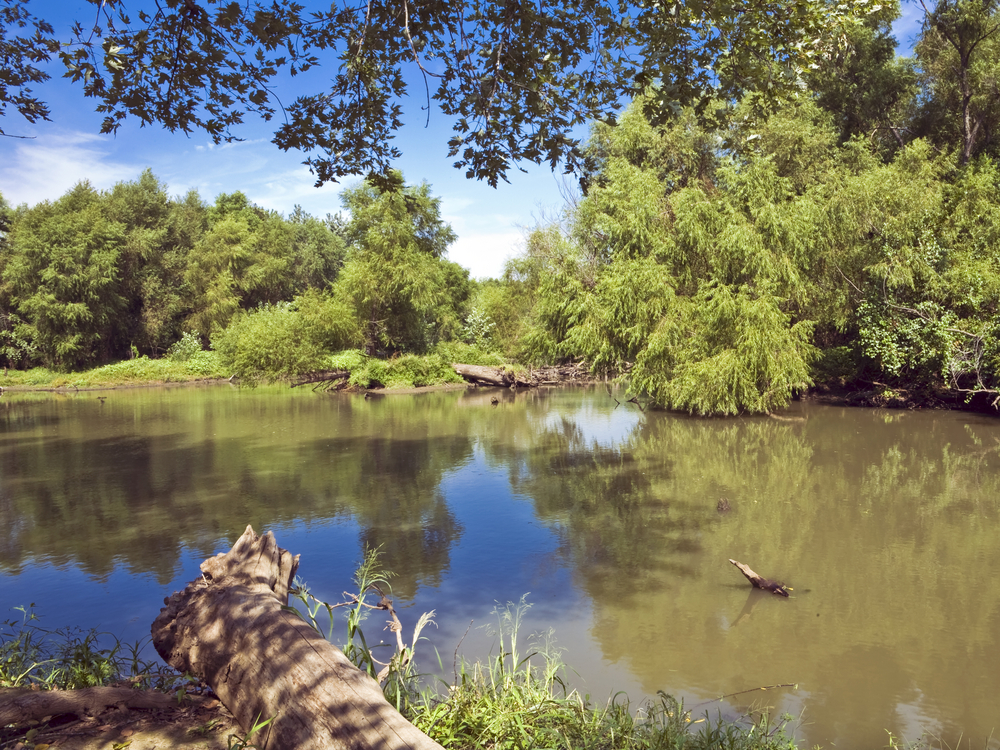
(522, 701)
(201, 365)
(67, 659)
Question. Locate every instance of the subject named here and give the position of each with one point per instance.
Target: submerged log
(325, 378)
(760, 582)
(230, 629)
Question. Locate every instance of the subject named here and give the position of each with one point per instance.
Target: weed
(68, 658)
(396, 676)
(236, 742)
(521, 701)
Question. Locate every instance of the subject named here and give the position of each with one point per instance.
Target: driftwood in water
(21, 705)
(229, 629)
(323, 379)
(760, 582)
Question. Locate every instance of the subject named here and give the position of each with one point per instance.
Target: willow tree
(395, 279)
(63, 276)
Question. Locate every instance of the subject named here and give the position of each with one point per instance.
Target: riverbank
(411, 374)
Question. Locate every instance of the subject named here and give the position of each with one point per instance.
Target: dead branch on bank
(324, 380)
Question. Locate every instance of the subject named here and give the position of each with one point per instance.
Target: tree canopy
(515, 79)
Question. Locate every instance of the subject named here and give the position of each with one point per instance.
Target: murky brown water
(887, 525)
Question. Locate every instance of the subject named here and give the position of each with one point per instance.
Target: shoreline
(878, 397)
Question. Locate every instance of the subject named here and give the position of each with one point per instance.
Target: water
(885, 523)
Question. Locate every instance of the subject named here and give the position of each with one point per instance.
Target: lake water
(886, 523)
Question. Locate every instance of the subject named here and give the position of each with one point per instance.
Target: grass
(66, 659)
(186, 362)
(521, 701)
(202, 365)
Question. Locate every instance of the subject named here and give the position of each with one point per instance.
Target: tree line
(95, 276)
(849, 237)
(723, 259)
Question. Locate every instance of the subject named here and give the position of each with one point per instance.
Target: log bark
(491, 376)
(760, 582)
(21, 705)
(229, 629)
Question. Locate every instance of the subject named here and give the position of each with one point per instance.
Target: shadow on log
(229, 629)
(760, 582)
(21, 705)
(507, 378)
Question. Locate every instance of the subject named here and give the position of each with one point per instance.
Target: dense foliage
(514, 79)
(848, 237)
(97, 277)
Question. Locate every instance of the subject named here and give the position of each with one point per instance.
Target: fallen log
(323, 378)
(498, 376)
(229, 629)
(760, 582)
(21, 705)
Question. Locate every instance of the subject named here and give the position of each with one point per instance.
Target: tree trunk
(762, 583)
(229, 629)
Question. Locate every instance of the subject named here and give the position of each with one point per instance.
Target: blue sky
(490, 223)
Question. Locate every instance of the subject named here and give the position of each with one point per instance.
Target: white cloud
(485, 254)
(36, 170)
(486, 221)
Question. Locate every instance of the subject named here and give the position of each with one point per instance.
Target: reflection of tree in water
(102, 494)
(398, 503)
(618, 528)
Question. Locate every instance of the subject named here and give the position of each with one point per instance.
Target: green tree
(64, 279)
(959, 57)
(152, 263)
(243, 260)
(515, 80)
(318, 251)
(395, 279)
(868, 89)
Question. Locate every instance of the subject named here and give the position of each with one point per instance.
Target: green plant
(184, 349)
(520, 700)
(236, 742)
(69, 659)
(397, 675)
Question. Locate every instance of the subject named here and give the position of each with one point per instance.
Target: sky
(490, 223)
(55, 156)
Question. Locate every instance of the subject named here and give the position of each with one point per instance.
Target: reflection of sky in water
(692, 628)
(598, 422)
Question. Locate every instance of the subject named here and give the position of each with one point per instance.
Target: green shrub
(348, 359)
(469, 354)
(408, 371)
(188, 346)
(206, 364)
